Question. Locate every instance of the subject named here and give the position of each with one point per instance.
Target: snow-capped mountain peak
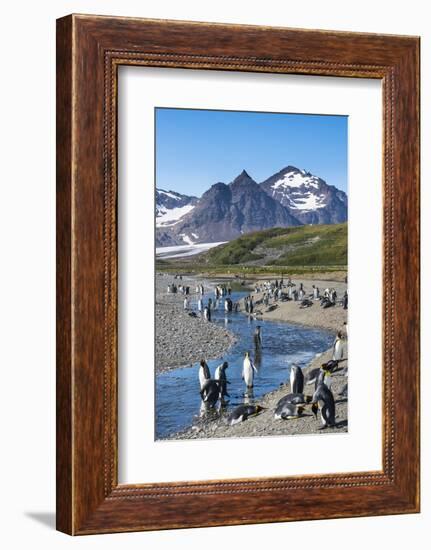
(308, 197)
(171, 207)
(225, 211)
(296, 178)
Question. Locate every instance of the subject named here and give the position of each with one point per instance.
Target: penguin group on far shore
(213, 390)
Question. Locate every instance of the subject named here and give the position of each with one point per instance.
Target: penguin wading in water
(296, 379)
(242, 412)
(210, 392)
(248, 370)
(204, 373)
(257, 337)
(324, 400)
(220, 376)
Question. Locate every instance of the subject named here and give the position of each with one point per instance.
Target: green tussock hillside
(305, 246)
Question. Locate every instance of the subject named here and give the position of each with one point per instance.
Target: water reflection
(178, 400)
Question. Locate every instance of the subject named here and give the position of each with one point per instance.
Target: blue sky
(197, 148)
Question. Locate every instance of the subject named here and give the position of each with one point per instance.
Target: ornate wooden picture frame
(89, 51)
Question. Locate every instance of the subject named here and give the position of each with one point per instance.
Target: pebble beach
(183, 340)
(264, 423)
(332, 318)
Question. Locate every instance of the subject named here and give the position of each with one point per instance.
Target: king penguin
(242, 412)
(286, 410)
(210, 392)
(204, 373)
(257, 337)
(324, 400)
(248, 370)
(295, 398)
(338, 352)
(220, 375)
(296, 379)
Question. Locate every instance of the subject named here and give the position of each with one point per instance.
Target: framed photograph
(237, 274)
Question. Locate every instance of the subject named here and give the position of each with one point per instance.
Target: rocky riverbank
(182, 340)
(264, 424)
(332, 318)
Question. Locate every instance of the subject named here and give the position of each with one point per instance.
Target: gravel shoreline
(332, 318)
(182, 340)
(264, 424)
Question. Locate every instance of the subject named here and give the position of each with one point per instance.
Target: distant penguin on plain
(207, 313)
(204, 373)
(296, 379)
(200, 305)
(257, 337)
(345, 300)
(242, 412)
(248, 370)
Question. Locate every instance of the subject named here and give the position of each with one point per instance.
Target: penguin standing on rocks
(248, 370)
(324, 400)
(345, 300)
(204, 373)
(338, 350)
(346, 328)
(296, 379)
